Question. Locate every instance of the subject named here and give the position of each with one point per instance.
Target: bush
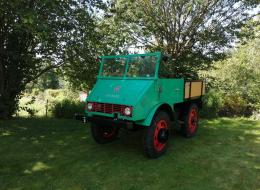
(212, 103)
(236, 80)
(234, 105)
(219, 104)
(44, 100)
(67, 109)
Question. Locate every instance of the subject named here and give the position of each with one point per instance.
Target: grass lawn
(60, 154)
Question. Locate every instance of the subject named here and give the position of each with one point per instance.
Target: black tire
(154, 146)
(104, 134)
(191, 118)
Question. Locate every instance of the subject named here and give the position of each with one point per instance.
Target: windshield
(114, 67)
(130, 66)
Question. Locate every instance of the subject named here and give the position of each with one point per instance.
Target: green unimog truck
(134, 91)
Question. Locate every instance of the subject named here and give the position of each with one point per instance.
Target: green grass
(60, 154)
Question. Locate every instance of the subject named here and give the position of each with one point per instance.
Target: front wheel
(191, 119)
(156, 135)
(104, 134)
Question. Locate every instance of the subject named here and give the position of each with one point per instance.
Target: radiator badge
(117, 89)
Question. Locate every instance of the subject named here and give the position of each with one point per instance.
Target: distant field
(60, 154)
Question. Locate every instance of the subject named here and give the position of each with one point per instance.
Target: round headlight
(90, 106)
(127, 111)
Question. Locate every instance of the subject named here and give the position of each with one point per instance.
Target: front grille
(109, 108)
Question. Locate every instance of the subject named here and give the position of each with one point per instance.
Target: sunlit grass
(60, 154)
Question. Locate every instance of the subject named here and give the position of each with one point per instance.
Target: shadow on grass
(50, 153)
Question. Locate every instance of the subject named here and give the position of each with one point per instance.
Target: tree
(237, 78)
(48, 80)
(193, 32)
(37, 36)
(240, 74)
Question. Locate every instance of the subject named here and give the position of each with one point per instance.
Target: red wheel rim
(193, 121)
(108, 132)
(162, 124)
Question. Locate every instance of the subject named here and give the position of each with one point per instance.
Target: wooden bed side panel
(187, 90)
(194, 89)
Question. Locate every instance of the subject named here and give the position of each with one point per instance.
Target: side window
(164, 69)
(142, 66)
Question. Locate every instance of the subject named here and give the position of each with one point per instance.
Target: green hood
(125, 92)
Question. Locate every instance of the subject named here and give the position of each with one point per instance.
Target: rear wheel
(191, 119)
(104, 134)
(156, 135)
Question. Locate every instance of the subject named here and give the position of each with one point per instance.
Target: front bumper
(111, 122)
(105, 121)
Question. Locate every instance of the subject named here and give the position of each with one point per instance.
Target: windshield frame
(128, 57)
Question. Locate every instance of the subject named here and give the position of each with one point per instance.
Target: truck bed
(194, 89)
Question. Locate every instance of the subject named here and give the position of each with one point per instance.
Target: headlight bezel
(127, 111)
(90, 106)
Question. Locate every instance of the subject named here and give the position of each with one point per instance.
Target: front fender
(149, 117)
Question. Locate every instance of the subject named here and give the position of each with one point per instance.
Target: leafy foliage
(67, 109)
(212, 103)
(237, 79)
(48, 80)
(193, 33)
(36, 36)
(37, 101)
(27, 107)
(234, 105)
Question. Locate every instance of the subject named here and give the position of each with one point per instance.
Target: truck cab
(130, 92)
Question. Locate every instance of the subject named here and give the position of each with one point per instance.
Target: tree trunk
(8, 97)
(8, 104)
(6, 109)
(2, 106)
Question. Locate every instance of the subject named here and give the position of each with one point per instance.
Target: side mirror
(98, 59)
